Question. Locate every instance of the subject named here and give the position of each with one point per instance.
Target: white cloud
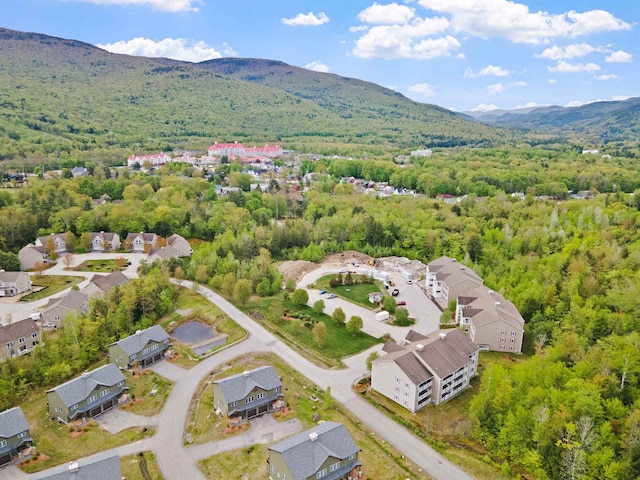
(176, 48)
(228, 51)
(166, 5)
(483, 107)
(619, 57)
(568, 52)
(308, 20)
(552, 80)
(317, 66)
(390, 14)
(528, 105)
(607, 77)
(519, 84)
(358, 28)
(423, 89)
(514, 21)
(496, 71)
(495, 88)
(565, 67)
(620, 98)
(461, 56)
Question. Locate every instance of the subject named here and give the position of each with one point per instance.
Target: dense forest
(570, 409)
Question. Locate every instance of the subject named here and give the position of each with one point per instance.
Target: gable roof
(237, 387)
(15, 330)
(176, 238)
(135, 343)
(30, 247)
(146, 237)
(305, 456)
(485, 306)
(12, 422)
(72, 300)
(78, 389)
(11, 276)
(445, 351)
(106, 468)
(165, 252)
(108, 236)
(452, 271)
(107, 282)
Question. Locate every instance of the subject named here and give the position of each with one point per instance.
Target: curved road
(177, 461)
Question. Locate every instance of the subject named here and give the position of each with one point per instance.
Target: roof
(237, 387)
(11, 276)
(452, 270)
(107, 282)
(15, 330)
(147, 237)
(135, 343)
(105, 468)
(485, 306)
(108, 236)
(390, 346)
(165, 252)
(305, 456)
(78, 389)
(413, 336)
(176, 238)
(72, 300)
(12, 422)
(31, 246)
(43, 240)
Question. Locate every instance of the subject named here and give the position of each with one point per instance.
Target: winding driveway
(178, 462)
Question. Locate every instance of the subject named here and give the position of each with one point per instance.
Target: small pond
(199, 336)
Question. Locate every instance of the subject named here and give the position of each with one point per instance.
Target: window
(248, 400)
(104, 393)
(3, 443)
(261, 395)
(277, 389)
(34, 335)
(10, 344)
(511, 348)
(273, 469)
(21, 339)
(74, 407)
(334, 467)
(132, 357)
(154, 347)
(504, 332)
(22, 434)
(92, 398)
(34, 344)
(406, 385)
(352, 456)
(232, 404)
(321, 473)
(120, 384)
(513, 340)
(513, 333)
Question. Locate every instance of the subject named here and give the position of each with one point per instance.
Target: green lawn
(141, 388)
(101, 266)
(49, 285)
(379, 459)
(356, 293)
(133, 466)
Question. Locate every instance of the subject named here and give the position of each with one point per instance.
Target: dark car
(395, 292)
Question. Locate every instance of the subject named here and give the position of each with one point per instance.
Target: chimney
(85, 374)
(442, 335)
(420, 347)
(246, 373)
(73, 467)
(313, 436)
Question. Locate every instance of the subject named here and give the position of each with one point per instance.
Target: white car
(331, 295)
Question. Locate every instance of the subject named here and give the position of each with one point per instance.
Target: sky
(464, 55)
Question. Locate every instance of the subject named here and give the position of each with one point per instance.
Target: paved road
(177, 461)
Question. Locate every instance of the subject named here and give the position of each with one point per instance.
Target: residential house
(101, 285)
(162, 254)
(137, 242)
(79, 172)
(493, 322)
(74, 302)
(105, 467)
(446, 279)
(154, 160)
(144, 348)
(375, 297)
(104, 241)
(248, 394)
(180, 244)
(88, 395)
(426, 368)
(14, 283)
(30, 255)
(238, 149)
(14, 435)
(325, 451)
(19, 338)
(58, 239)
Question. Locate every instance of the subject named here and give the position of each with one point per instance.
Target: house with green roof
(327, 451)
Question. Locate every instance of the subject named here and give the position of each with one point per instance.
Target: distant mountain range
(63, 99)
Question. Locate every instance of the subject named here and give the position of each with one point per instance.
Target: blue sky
(459, 54)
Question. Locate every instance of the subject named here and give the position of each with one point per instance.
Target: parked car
(322, 292)
(332, 295)
(395, 292)
(409, 281)
(401, 303)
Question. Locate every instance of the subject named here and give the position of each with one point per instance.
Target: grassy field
(101, 266)
(339, 343)
(60, 443)
(133, 466)
(380, 460)
(356, 293)
(200, 309)
(50, 285)
(141, 388)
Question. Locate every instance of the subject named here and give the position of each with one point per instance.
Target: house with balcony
(14, 283)
(14, 436)
(88, 395)
(446, 279)
(326, 451)
(425, 368)
(493, 322)
(19, 338)
(248, 394)
(144, 348)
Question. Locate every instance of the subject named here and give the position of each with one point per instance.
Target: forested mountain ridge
(60, 96)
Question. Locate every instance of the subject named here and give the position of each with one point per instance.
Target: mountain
(598, 122)
(63, 98)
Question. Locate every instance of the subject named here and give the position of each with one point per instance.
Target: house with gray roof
(14, 436)
(14, 283)
(138, 242)
(58, 242)
(105, 467)
(162, 254)
(73, 302)
(248, 394)
(326, 451)
(19, 338)
(426, 368)
(446, 279)
(104, 241)
(493, 322)
(30, 255)
(88, 395)
(101, 285)
(144, 348)
(180, 244)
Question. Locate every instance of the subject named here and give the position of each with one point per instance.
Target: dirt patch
(236, 428)
(296, 269)
(348, 257)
